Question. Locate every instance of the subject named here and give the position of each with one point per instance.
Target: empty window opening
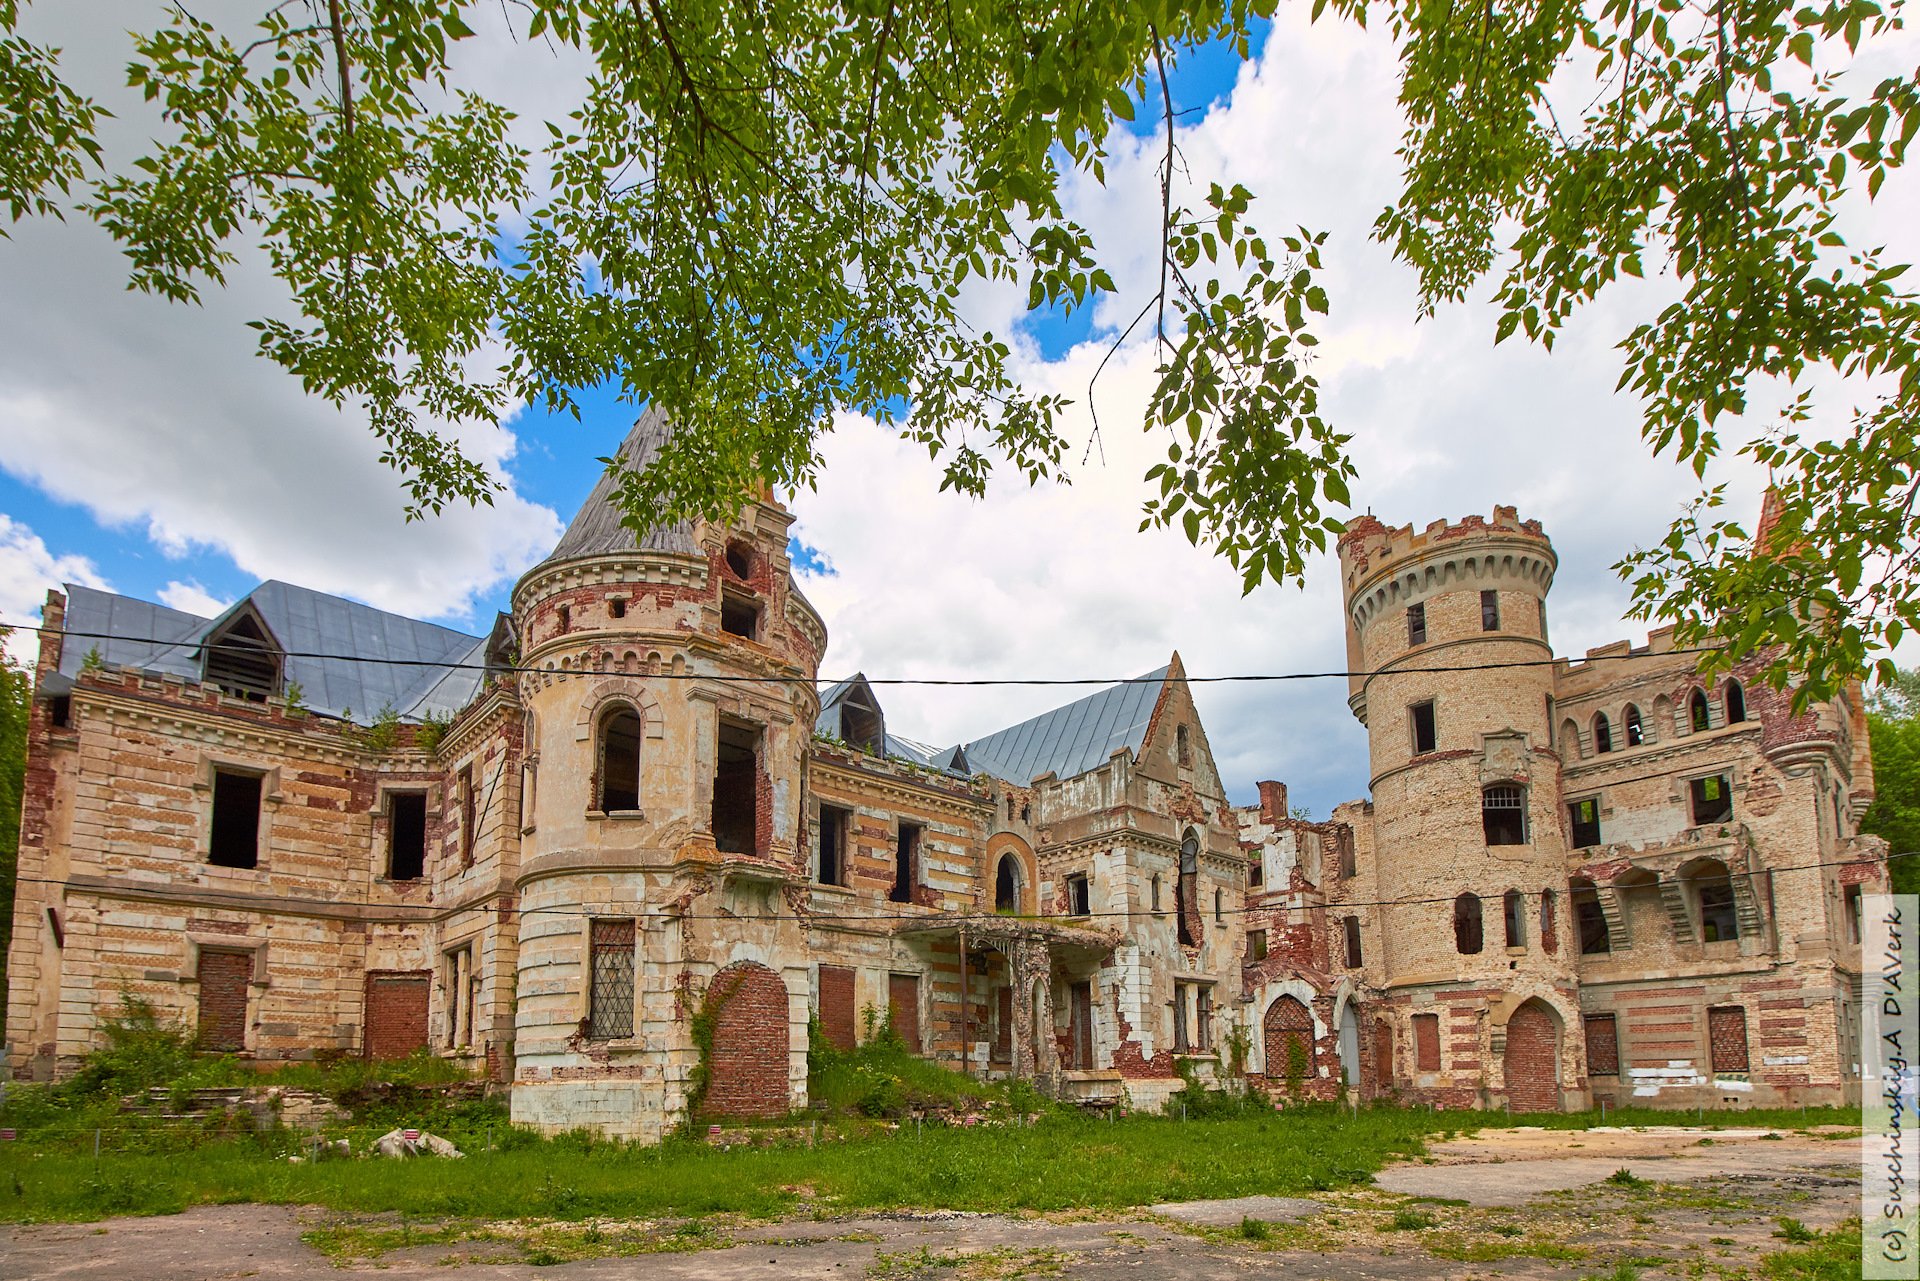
(1712, 889)
(1603, 1045)
(736, 790)
(1219, 907)
(406, 835)
(1154, 890)
(1503, 814)
(1426, 1042)
(1182, 746)
(1736, 703)
(1346, 852)
(610, 1000)
(1256, 945)
(462, 989)
(1589, 918)
(1489, 611)
(1853, 912)
(1186, 891)
(1467, 936)
(1425, 733)
(1602, 733)
(1712, 799)
(60, 710)
(1026, 813)
(1079, 895)
(1352, 928)
(1417, 624)
(1584, 820)
(234, 834)
(906, 855)
(1006, 885)
(617, 607)
(1636, 732)
(1697, 715)
(469, 815)
(242, 660)
(739, 617)
(1514, 912)
(740, 560)
(1257, 872)
(835, 826)
(565, 613)
(619, 763)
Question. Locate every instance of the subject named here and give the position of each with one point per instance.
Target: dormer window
(243, 659)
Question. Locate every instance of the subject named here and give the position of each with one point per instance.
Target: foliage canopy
(763, 213)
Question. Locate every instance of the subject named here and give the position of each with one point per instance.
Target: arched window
(1698, 718)
(1569, 740)
(1156, 893)
(1711, 887)
(1006, 885)
(1589, 919)
(1219, 907)
(617, 771)
(1467, 936)
(1289, 1036)
(740, 559)
(1514, 910)
(1636, 733)
(1736, 703)
(1503, 814)
(1186, 891)
(1662, 719)
(1602, 733)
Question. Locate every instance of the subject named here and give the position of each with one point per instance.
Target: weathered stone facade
(648, 849)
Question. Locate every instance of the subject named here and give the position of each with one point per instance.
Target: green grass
(1832, 1256)
(1731, 1119)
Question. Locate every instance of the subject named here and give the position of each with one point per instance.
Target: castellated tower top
(1381, 566)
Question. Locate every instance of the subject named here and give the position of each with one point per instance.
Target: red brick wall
(223, 999)
(749, 1061)
(837, 1018)
(1727, 1038)
(396, 1013)
(1532, 1060)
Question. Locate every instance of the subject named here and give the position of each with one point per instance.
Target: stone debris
(396, 1143)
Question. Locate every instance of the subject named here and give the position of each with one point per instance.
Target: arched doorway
(1289, 1037)
(1532, 1059)
(748, 1064)
(1350, 1046)
(1006, 885)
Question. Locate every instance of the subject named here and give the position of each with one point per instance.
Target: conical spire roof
(596, 529)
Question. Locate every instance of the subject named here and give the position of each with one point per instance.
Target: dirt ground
(1506, 1203)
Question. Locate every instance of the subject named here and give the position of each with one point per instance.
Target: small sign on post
(7, 1136)
(411, 1136)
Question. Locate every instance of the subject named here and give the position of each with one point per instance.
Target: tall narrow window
(906, 859)
(1852, 905)
(1602, 733)
(1202, 1019)
(1186, 892)
(1489, 611)
(836, 825)
(1636, 733)
(234, 833)
(611, 999)
(1417, 624)
(738, 821)
(1182, 746)
(1426, 734)
(469, 815)
(1467, 936)
(1503, 814)
(619, 764)
(1712, 799)
(1155, 891)
(1256, 872)
(1589, 919)
(1352, 931)
(1079, 895)
(1584, 820)
(1697, 715)
(1514, 912)
(1006, 885)
(1736, 703)
(1181, 1044)
(1549, 939)
(406, 835)
(1219, 907)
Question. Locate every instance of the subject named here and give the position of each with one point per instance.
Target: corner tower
(1453, 678)
(668, 680)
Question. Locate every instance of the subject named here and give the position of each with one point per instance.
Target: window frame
(619, 1020)
(1519, 807)
(1489, 609)
(1697, 797)
(1417, 623)
(1575, 823)
(258, 779)
(391, 797)
(1431, 709)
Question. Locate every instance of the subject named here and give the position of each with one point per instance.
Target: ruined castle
(619, 853)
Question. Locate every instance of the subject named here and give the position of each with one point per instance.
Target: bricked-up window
(739, 616)
(1712, 888)
(1079, 895)
(1727, 1038)
(1583, 818)
(1549, 940)
(903, 1008)
(1503, 814)
(1736, 703)
(736, 790)
(1417, 624)
(610, 1000)
(406, 835)
(223, 978)
(1697, 715)
(1351, 927)
(1256, 945)
(1636, 732)
(1468, 937)
(1006, 885)
(469, 815)
(1426, 734)
(1602, 733)
(564, 619)
(1489, 611)
(1513, 910)
(1426, 1042)
(906, 861)
(1712, 799)
(835, 826)
(618, 766)
(234, 832)
(1603, 1045)
(1589, 919)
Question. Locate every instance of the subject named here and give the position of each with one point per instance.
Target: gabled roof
(413, 674)
(1073, 739)
(596, 529)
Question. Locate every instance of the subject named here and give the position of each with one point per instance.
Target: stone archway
(747, 1068)
(1532, 1058)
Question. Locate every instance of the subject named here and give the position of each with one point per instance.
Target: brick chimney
(1273, 800)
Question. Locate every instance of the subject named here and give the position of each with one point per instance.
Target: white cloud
(191, 598)
(27, 571)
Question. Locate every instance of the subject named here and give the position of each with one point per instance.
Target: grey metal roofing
(1073, 739)
(596, 529)
(416, 674)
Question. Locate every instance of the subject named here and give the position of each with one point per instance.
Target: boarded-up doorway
(1080, 1026)
(903, 1008)
(750, 1037)
(1533, 1059)
(397, 1013)
(223, 999)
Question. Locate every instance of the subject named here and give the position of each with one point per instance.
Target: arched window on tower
(1636, 732)
(1467, 935)
(1698, 718)
(1736, 703)
(1602, 733)
(617, 769)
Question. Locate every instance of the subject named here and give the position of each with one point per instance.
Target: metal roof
(596, 529)
(414, 675)
(1073, 739)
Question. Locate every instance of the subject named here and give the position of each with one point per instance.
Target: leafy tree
(1894, 722)
(763, 212)
(16, 689)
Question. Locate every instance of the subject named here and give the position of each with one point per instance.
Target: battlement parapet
(1368, 543)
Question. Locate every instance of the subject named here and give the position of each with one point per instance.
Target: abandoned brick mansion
(622, 850)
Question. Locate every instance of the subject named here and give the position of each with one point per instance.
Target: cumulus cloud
(191, 598)
(27, 570)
